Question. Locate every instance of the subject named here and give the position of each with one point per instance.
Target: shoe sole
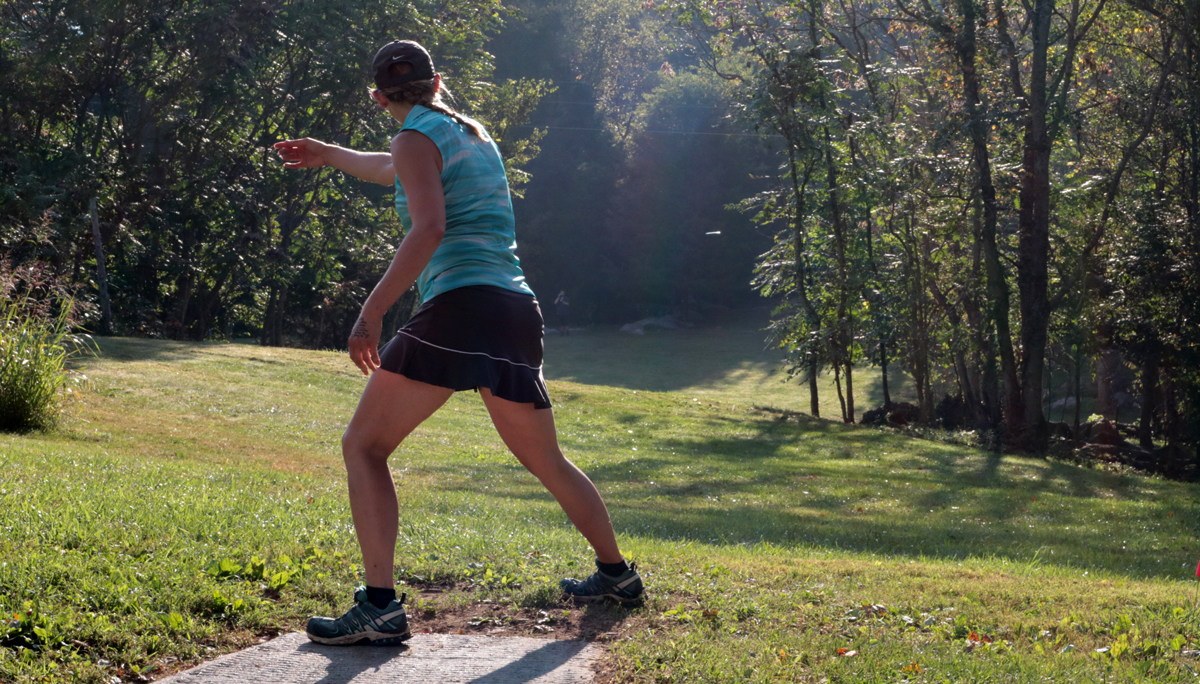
(368, 638)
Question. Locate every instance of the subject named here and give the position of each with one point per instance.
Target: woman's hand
(304, 153)
(364, 343)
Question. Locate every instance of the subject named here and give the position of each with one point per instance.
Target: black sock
(380, 598)
(613, 569)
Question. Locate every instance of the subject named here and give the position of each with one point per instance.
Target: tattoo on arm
(360, 330)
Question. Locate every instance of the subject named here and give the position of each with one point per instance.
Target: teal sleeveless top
(479, 247)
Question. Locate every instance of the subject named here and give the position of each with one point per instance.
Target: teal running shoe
(362, 624)
(626, 590)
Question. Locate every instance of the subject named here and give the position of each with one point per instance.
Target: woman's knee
(358, 448)
(550, 464)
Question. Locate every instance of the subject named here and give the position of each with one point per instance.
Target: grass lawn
(195, 504)
(729, 364)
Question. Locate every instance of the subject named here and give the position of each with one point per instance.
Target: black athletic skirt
(472, 337)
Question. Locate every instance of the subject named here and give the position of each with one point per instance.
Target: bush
(35, 344)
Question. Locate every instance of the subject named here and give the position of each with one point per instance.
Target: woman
(478, 327)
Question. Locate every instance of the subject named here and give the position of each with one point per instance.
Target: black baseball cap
(399, 51)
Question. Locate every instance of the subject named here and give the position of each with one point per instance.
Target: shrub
(35, 344)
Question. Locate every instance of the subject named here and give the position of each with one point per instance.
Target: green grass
(730, 364)
(768, 544)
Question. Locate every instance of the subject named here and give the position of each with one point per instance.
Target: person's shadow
(533, 664)
(347, 663)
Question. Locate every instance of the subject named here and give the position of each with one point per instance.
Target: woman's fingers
(361, 357)
(290, 152)
(364, 345)
(299, 154)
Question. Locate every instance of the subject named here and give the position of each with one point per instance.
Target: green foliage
(205, 235)
(900, 233)
(30, 629)
(504, 108)
(34, 350)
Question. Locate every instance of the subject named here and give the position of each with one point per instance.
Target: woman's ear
(379, 98)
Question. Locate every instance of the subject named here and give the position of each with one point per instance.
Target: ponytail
(422, 93)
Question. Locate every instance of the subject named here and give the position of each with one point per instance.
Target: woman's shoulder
(432, 121)
(422, 119)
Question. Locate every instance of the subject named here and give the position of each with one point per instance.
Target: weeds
(33, 366)
(36, 320)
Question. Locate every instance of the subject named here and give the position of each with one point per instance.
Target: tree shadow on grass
(139, 349)
(769, 485)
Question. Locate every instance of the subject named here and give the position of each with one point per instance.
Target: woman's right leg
(391, 407)
(530, 435)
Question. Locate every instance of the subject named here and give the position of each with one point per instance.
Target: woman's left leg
(530, 434)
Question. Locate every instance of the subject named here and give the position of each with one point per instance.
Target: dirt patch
(442, 612)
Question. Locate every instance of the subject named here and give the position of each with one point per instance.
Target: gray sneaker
(626, 590)
(362, 624)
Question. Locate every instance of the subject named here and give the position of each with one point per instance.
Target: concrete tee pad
(425, 659)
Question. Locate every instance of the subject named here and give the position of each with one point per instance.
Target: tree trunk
(843, 339)
(997, 283)
(184, 288)
(209, 302)
(1149, 401)
(264, 335)
(277, 322)
(101, 274)
(1033, 246)
(837, 382)
(849, 418)
(987, 381)
(1078, 385)
(813, 403)
(811, 316)
(1170, 402)
(883, 363)
(964, 379)
(1106, 394)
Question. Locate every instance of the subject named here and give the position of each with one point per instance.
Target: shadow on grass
(771, 486)
(138, 349)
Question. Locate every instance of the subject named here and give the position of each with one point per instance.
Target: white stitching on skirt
(457, 351)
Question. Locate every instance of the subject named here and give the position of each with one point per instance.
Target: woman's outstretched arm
(306, 153)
